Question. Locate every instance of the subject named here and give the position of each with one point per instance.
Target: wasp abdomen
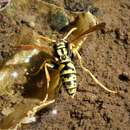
(66, 67)
(68, 75)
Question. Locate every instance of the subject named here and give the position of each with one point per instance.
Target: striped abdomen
(68, 75)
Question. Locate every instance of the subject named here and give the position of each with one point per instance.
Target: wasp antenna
(93, 77)
(96, 80)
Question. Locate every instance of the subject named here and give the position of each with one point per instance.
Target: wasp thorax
(61, 51)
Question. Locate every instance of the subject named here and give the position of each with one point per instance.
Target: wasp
(60, 54)
(59, 63)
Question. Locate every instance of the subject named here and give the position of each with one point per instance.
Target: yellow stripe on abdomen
(68, 75)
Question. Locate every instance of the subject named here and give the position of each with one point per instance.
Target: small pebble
(4, 4)
(54, 111)
(124, 76)
(58, 20)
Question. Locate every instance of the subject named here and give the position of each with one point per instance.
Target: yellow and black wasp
(60, 54)
(58, 57)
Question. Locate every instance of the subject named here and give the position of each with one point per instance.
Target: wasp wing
(85, 23)
(82, 35)
(32, 103)
(45, 49)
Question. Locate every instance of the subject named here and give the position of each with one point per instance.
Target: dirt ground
(105, 53)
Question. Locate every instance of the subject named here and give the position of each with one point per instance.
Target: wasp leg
(42, 104)
(89, 72)
(69, 33)
(46, 65)
(41, 67)
(47, 73)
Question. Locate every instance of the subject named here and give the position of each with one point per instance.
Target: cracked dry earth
(105, 53)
